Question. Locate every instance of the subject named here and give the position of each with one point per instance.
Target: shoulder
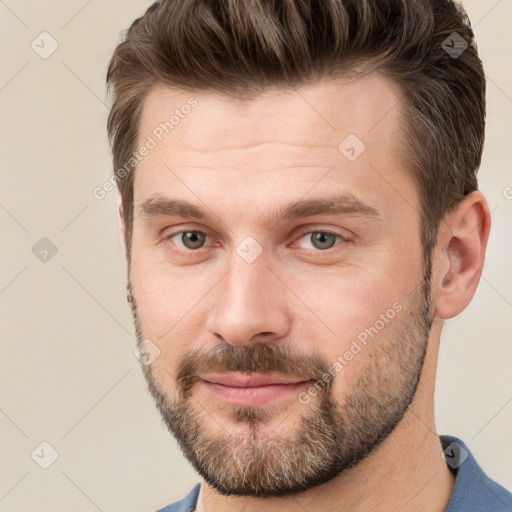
(187, 504)
(473, 489)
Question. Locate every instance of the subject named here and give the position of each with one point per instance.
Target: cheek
(349, 301)
(161, 291)
(161, 313)
(357, 311)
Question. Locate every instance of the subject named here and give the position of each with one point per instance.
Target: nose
(249, 305)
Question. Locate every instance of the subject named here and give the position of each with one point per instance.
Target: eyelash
(343, 239)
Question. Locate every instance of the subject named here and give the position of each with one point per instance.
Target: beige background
(68, 375)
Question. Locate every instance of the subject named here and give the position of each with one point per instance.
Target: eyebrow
(341, 204)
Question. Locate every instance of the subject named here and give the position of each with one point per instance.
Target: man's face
(288, 346)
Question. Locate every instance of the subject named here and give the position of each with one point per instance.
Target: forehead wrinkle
(229, 159)
(230, 168)
(254, 145)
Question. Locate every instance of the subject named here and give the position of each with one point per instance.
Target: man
(300, 213)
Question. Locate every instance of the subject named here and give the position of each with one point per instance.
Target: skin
(241, 161)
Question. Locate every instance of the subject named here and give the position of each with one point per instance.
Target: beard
(246, 456)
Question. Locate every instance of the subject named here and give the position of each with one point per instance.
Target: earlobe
(460, 255)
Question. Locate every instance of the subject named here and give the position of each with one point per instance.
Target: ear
(460, 254)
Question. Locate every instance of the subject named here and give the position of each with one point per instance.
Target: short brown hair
(240, 48)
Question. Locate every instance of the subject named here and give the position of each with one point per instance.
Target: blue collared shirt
(473, 491)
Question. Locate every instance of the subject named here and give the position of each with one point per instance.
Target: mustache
(263, 358)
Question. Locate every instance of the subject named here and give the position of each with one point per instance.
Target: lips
(250, 390)
(248, 381)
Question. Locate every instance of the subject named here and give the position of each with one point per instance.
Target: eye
(322, 240)
(193, 239)
(190, 239)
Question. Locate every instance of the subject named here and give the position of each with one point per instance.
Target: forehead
(281, 137)
(319, 113)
